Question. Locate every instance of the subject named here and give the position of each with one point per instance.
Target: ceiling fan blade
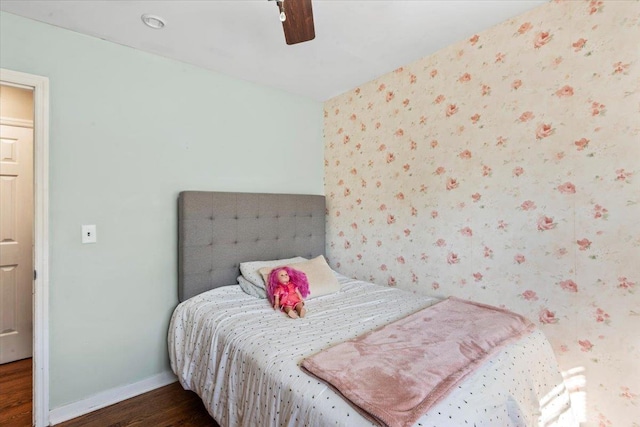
(298, 27)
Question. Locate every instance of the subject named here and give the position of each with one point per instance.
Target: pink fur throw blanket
(395, 373)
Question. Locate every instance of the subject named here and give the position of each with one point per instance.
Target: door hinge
(35, 274)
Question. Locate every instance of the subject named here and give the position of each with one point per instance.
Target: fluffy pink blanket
(396, 373)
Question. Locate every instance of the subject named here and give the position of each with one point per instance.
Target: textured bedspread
(399, 371)
(243, 359)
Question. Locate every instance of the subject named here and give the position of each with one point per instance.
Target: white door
(16, 242)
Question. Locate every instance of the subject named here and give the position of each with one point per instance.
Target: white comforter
(242, 358)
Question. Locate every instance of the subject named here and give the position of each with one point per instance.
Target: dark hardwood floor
(15, 393)
(163, 407)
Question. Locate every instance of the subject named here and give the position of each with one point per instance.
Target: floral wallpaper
(506, 169)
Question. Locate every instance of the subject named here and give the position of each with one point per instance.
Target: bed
(244, 359)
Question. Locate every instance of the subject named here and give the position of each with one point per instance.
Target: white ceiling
(356, 40)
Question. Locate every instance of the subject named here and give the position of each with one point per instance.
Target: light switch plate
(89, 234)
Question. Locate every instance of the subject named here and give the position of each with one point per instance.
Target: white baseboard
(109, 397)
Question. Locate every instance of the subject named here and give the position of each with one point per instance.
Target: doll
(287, 289)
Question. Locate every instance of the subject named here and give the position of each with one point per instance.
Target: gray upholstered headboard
(217, 231)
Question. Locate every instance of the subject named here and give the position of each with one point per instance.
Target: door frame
(40, 359)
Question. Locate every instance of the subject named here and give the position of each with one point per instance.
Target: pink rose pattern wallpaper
(506, 169)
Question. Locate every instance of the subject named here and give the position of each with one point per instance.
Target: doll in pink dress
(287, 289)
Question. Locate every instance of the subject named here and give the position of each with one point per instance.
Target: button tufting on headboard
(219, 230)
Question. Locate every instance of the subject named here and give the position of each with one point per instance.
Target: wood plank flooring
(15, 393)
(164, 407)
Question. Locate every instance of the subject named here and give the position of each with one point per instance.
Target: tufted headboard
(218, 230)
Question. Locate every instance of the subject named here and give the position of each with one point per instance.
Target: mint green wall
(129, 130)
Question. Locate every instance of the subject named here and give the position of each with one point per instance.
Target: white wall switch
(89, 234)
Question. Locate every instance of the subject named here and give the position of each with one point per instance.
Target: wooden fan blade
(298, 27)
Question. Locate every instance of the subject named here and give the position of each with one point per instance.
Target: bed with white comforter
(243, 359)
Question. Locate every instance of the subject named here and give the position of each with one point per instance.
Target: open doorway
(16, 223)
(16, 254)
(24, 159)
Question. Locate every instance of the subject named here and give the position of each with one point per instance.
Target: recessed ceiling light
(153, 21)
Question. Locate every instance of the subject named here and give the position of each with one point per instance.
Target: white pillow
(322, 279)
(251, 289)
(250, 269)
